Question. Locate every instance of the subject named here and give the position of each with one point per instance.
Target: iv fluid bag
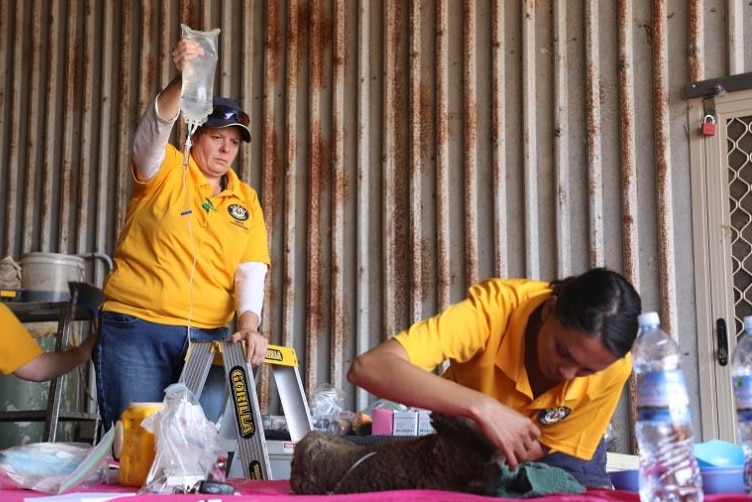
(197, 91)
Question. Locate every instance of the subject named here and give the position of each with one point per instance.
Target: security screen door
(722, 233)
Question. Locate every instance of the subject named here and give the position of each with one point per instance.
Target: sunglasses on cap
(228, 113)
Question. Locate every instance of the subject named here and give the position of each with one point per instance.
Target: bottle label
(744, 415)
(662, 396)
(742, 386)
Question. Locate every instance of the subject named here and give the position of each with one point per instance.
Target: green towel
(533, 479)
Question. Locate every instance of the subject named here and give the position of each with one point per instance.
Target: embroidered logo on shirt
(553, 415)
(238, 212)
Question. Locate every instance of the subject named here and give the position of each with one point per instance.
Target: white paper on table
(79, 497)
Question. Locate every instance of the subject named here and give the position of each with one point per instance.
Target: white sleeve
(149, 140)
(249, 287)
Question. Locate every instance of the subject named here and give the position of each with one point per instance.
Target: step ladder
(242, 412)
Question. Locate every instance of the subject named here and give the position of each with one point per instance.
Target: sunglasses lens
(227, 113)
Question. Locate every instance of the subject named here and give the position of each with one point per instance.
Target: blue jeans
(135, 360)
(590, 473)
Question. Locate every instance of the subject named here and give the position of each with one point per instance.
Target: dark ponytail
(600, 302)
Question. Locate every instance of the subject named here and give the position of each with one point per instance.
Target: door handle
(720, 325)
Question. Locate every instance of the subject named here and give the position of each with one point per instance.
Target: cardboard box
(405, 423)
(280, 458)
(424, 423)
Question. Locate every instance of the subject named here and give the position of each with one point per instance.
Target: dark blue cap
(227, 113)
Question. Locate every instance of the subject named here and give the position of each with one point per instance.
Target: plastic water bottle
(665, 434)
(741, 379)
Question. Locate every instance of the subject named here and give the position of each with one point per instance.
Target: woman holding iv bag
(192, 254)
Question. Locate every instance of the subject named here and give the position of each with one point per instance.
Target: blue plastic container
(722, 479)
(717, 453)
(628, 481)
(714, 479)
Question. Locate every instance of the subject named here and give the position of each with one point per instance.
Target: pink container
(382, 420)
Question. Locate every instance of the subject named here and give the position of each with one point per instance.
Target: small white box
(424, 423)
(280, 458)
(405, 423)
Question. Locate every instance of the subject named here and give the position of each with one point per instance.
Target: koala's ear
(440, 422)
(446, 424)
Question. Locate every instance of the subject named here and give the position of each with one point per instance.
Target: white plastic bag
(188, 447)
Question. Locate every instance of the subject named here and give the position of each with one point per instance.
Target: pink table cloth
(279, 491)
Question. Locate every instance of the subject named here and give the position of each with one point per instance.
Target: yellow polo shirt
(18, 346)
(172, 219)
(483, 337)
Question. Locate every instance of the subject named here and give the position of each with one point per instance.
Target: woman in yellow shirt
(191, 258)
(539, 366)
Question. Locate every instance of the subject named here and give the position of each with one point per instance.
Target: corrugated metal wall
(402, 150)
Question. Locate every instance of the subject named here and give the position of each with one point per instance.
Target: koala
(457, 457)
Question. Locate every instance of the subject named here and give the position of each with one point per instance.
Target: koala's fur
(457, 458)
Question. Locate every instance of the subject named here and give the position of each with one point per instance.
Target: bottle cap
(748, 324)
(649, 319)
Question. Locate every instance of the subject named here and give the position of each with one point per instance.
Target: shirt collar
(510, 356)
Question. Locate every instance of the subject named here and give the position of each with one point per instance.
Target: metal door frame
(712, 251)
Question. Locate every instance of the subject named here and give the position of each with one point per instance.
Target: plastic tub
(714, 479)
(628, 480)
(717, 453)
(45, 276)
(723, 479)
